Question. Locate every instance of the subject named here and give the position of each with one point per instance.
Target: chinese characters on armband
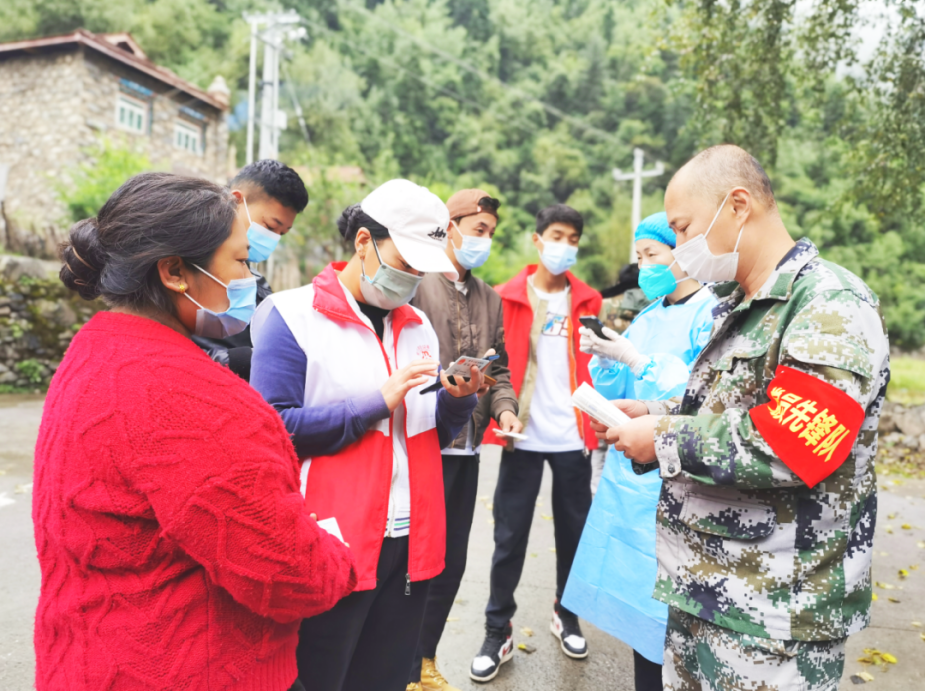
(810, 424)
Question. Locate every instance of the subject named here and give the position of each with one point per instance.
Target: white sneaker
(564, 626)
(497, 649)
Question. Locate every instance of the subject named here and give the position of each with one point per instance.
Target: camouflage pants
(701, 656)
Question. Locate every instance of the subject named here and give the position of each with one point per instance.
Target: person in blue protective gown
(613, 576)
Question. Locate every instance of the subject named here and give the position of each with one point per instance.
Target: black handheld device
(595, 324)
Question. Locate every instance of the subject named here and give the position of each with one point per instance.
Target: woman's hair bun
(353, 218)
(83, 259)
(348, 223)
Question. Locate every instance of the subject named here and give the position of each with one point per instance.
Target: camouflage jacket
(742, 541)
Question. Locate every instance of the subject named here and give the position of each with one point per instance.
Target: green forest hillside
(539, 100)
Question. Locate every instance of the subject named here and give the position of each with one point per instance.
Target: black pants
(460, 487)
(648, 674)
(515, 498)
(367, 640)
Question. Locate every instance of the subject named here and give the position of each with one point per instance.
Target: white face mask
(390, 287)
(697, 261)
(558, 257)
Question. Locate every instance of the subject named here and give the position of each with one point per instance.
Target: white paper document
(330, 524)
(516, 436)
(589, 401)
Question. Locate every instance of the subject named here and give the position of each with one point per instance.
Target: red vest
(345, 358)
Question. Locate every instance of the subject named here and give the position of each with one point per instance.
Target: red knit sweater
(175, 549)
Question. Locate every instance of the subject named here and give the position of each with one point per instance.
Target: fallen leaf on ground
(885, 586)
(526, 631)
(889, 529)
(545, 517)
(552, 549)
(920, 544)
(922, 636)
(489, 506)
(485, 498)
(891, 516)
(889, 658)
(906, 526)
(903, 573)
(451, 619)
(873, 596)
(884, 554)
(526, 648)
(862, 677)
(532, 554)
(22, 489)
(491, 521)
(893, 599)
(917, 624)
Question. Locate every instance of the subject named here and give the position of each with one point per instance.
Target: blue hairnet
(655, 227)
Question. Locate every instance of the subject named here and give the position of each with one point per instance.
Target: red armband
(810, 424)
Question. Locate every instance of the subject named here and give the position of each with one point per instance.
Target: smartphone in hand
(595, 324)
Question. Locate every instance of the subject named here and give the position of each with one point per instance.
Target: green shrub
(31, 370)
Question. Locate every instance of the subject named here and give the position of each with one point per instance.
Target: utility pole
(636, 176)
(251, 93)
(272, 120)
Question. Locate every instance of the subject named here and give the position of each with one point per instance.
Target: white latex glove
(614, 348)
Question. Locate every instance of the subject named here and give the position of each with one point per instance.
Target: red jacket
(518, 320)
(345, 358)
(175, 548)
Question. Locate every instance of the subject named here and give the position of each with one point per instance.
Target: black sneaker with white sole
(564, 626)
(497, 649)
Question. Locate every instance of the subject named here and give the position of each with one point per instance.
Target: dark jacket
(235, 351)
(469, 325)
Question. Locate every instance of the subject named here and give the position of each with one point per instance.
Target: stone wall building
(61, 96)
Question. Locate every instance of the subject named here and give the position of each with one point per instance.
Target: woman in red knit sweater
(175, 547)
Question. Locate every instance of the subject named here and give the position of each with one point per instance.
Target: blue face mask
(558, 257)
(261, 240)
(656, 280)
(242, 301)
(473, 252)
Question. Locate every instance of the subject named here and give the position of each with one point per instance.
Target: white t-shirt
(552, 425)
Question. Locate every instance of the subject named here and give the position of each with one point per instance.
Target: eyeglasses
(489, 203)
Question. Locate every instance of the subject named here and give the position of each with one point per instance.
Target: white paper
(330, 524)
(589, 401)
(513, 435)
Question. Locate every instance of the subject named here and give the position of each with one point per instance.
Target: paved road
(610, 665)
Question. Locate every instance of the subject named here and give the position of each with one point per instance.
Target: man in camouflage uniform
(767, 511)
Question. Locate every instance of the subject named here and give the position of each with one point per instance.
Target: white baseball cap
(416, 220)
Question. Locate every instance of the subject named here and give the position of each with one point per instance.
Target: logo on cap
(439, 234)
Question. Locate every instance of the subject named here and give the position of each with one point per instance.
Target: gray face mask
(389, 288)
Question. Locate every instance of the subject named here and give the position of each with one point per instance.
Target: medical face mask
(558, 256)
(262, 241)
(473, 252)
(242, 301)
(656, 280)
(697, 261)
(389, 288)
